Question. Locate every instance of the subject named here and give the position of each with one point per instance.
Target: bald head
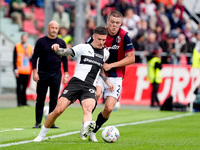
(24, 38)
(53, 23)
(53, 29)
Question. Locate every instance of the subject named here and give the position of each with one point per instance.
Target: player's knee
(108, 109)
(57, 112)
(88, 108)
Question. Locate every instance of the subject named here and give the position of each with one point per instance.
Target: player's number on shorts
(118, 90)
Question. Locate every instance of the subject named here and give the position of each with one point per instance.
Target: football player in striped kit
(121, 51)
(82, 86)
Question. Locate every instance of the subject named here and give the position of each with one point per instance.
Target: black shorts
(78, 89)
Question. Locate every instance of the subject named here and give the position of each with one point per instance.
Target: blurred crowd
(158, 24)
(151, 24)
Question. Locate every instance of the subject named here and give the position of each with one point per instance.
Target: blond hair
(115, 13)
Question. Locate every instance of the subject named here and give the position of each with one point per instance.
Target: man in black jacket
(48, 73)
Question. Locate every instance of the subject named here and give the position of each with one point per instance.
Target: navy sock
(99, 122)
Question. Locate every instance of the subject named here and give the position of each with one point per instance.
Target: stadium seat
(41, 34)
(4, 8)
(3, 3)
(29, 27)
(27, 10)
(40, 24)
(39, 14)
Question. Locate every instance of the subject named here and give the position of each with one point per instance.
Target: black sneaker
(54, 126)
(37, 125)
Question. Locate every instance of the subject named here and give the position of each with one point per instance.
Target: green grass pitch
(139, 130)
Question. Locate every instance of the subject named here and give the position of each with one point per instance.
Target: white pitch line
(153, 120)
(119, 125)
(14, 129)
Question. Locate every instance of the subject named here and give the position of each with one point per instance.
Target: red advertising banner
(178, 81)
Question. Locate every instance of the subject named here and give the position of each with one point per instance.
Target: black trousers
(154, 94)
(51, 80)
(22, 82)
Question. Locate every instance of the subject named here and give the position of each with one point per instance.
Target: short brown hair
(100, 30)
(115, 13)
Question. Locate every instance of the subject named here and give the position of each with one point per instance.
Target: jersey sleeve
(77, 50)
(128, 45)
(107, 54)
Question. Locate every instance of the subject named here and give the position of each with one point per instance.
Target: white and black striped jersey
(89, 62)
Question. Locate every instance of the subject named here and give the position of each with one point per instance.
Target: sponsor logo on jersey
(114, 47)
(87, 60)
(91, 90)
(65, 91)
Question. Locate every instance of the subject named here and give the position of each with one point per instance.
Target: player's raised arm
(61, 51)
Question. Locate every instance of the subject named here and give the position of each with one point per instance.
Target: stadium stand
(9, 35)
(39, 14)
(7, 80)
(29, 27)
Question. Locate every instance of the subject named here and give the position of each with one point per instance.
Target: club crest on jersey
(118, 39)
(65, 91)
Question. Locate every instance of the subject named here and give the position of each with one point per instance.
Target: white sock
(86, 124)
(43, 131)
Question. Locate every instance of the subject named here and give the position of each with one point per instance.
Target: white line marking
(119, 125)
(154, 120)
(14, 129)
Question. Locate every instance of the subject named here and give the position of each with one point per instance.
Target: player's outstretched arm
(105, 79)
(61, 51)
(64, 52)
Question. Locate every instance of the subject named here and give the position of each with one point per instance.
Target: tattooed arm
(62, 51)
(105, 79)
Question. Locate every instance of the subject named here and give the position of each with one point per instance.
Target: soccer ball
(110, 134)
(45, 111)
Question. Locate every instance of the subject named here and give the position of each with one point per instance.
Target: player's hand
(55, 47)
(111, 87)
(107, 67)
(65, 79)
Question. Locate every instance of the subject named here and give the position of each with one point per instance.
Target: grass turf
(180, 133)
